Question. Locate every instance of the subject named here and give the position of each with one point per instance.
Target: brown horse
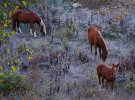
(30, 17)
(95, 38)
(106, 73)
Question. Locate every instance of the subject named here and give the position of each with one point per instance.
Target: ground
(56, 71)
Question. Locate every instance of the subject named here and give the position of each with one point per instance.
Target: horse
(21, 16)
(107, 72)
(95, 38)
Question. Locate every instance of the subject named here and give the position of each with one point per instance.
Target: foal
(106, 73)
(30, 17)
(95, 38)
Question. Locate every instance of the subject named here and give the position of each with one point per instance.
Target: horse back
(103, 70)
(26, 16)
(93, 35)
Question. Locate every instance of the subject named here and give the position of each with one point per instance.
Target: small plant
(82, 56)
(37, 60)
(130, 87)
(110, 36)
(11, 82)
(93, 75)
(88, 91)
(127, 62)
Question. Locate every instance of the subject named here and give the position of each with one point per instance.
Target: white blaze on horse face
(31, 31)
(20, 30)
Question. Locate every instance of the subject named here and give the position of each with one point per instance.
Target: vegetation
(36, 69)
(10, 82)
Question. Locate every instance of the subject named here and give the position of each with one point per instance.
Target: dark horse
(30, 17)
(105, 72)
(95, 38)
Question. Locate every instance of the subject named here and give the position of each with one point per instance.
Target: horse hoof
(16, 33)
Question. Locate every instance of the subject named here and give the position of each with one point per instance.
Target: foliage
(53, 2)
(92, 3)
(11, 82)
(88, 91)
(83, 57)
(7, 8)
(93, 75)
(130, 87)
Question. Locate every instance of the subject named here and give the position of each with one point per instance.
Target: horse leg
(91, 47)
(103, 82)
(95, 49)
(32, 30)
(35, 33)
(106, 85)
(18, 25)
(112, 86)
(31, 27)
(99, 78)
(14, 26)
(99, 51)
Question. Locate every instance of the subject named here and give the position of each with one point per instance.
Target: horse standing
(30, 17)
(106, 73)
(95, 38)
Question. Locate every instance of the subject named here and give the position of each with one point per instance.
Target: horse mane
(104, 48)
(103, 43)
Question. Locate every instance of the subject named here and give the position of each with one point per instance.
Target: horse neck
(103, 46)
(42, 23)
(37, 17)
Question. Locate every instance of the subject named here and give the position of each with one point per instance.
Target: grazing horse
(107, 73)
(95, 38)
(30, 17)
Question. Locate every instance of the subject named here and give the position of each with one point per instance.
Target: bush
(88, 91)
(11, 82)
(130, 87)
(83, 57)
(127, 62)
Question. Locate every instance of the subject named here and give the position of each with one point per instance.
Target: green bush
(130, 87)
(11, 82)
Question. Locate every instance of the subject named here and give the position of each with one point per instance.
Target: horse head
(115, 69)
(103, 55)
(43, 27)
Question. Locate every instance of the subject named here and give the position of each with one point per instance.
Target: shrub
(88, 91)
(11, 82)
(130, 87)
(127, 62)
(83, 57)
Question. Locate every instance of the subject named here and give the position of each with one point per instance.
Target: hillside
(60, 65)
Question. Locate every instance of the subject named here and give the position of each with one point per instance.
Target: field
(60, 65)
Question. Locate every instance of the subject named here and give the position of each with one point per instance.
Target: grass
(110, 36)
